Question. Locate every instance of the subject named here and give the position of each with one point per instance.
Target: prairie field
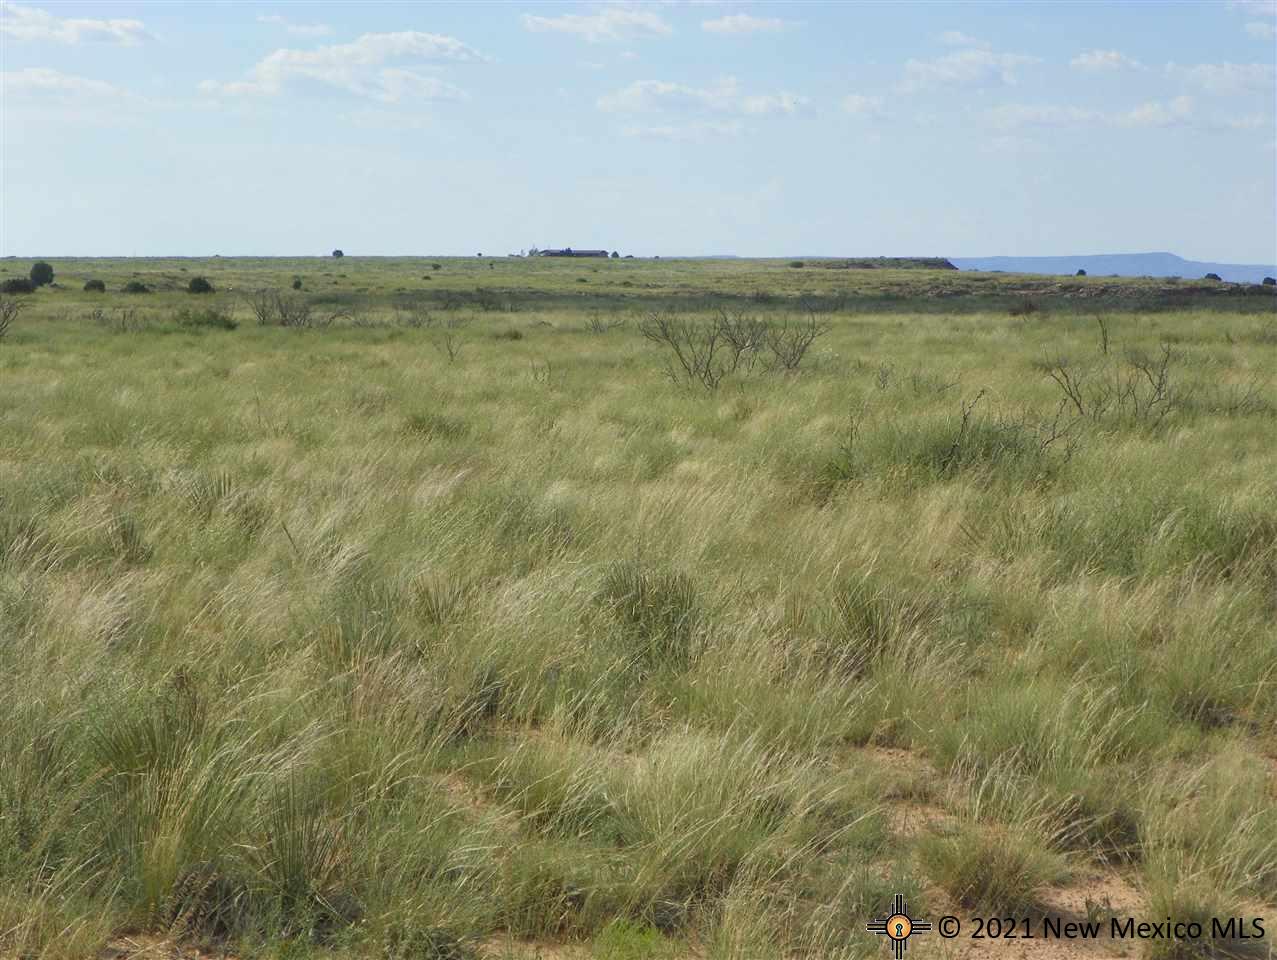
(487, 607)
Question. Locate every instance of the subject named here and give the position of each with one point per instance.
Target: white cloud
(1264, 31)
(1230, 77)
(297, 29)
(397, 84)
(956, 38)
(353, 67)
(30, 23)
(687, 133)
(1256, 8)
(859, 105)
(1014, 116)
(966, 68)
(611, 23)
(1157, 114)
(725, 96)
(35, 82)
(1102, 61)
(773, 103)
(743, 23)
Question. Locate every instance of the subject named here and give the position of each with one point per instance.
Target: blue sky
(653, 128)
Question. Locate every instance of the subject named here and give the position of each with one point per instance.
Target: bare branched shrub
(744, 334)
(449, 344)
(1137, 389)
(10, 307)
(119, 320)
(597, 323)
(790, 342)
(697, 350)
(262, 304)
(415, 314)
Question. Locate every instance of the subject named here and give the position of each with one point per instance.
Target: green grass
(399, 635)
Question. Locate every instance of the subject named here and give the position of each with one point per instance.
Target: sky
(693, 128)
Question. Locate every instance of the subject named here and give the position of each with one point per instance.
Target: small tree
(1270, 281)
(1080, 273)
(41, 274)
(338, 253)
(1211, 276)
(615, 255)
(199, 285)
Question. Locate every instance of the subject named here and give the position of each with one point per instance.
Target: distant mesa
(1120, 265)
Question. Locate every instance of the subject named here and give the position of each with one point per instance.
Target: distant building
(569, 252)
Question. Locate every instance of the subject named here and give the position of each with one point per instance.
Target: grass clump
(658, 610)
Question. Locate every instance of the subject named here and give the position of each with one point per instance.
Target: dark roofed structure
(569, 252)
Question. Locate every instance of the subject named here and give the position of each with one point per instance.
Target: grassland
(449, 624)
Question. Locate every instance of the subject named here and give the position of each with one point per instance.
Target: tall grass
(327, 641)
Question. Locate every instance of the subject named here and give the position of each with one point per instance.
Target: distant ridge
(1122, 264)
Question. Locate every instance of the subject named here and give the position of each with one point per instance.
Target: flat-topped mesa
(884, 263)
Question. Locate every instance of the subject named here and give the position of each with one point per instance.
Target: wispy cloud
(610, 23)
(1157, 114)
(31, 23)
(297, 29)
(357, 68)
(956, 38)
(1104, 61)
(43, 82)
(1226, 78)
(688, 132)
(725, 96)
(1264, 31)
(744, 23)
(966, 68)
(1256, 8)
(859, 105)
(1174, 112)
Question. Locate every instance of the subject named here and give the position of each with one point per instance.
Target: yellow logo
(898, 927)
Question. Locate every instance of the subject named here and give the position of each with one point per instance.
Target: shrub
(1270, 281)
(615, 255)
(41, 274)
(94, 286)
(136, 286)
(212, 318)
(297, 283)
(436, 266)
(1080, 273)
(1212, 276)
(797, 264)
(17, 285)
(338, 253)
(9, 310)
(199, 285)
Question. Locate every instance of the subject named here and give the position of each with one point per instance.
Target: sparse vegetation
(401, 637)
